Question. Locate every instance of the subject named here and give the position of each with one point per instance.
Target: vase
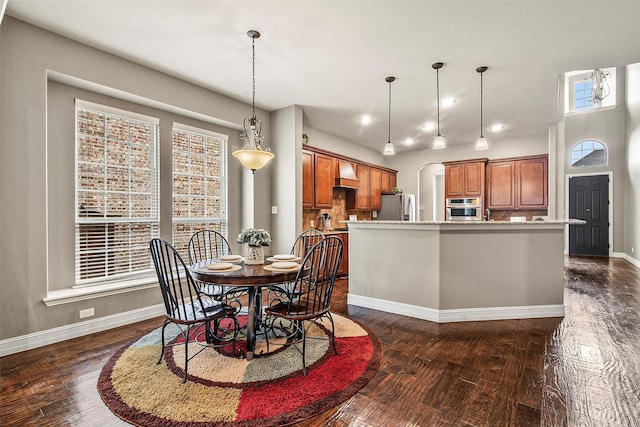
(255, 255)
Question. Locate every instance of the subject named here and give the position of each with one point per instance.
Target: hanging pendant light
(439, 141)
(388, 147)
(252, 155)
(482, 143)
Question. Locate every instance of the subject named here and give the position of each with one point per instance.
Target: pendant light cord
(389, 135)
(253, 76)
(438, 96)
(481, 96)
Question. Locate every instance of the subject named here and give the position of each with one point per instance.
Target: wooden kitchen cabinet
(375, 189)
(324, 179)
(362, 193)
(388, 182)
(368, 196)
(465, 178)
(308, 184)
(343, 270)
(500, 185)
(322, 171)
(317, 180)
(531, 178)
(518, 183)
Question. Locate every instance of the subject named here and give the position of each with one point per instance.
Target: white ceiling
(331, 57)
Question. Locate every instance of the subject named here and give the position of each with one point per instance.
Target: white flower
(254, 237)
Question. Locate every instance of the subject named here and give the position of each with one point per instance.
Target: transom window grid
(199, 185)
(117, 194)
(583, 95)
(589, 153)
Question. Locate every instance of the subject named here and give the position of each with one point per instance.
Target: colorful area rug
(227, 391)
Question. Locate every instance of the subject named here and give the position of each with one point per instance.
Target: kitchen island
(458, 271)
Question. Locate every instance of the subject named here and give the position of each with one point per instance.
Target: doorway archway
(430, 194)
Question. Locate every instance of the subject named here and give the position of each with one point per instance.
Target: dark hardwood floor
(583, 370)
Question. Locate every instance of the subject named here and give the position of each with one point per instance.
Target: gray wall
(29, 57)
(608, 126)
(326, 141)
(632, 190)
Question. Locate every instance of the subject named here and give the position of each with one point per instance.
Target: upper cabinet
(317, 180)
(324, 171)
(518, 183)
(308, 182)
(359, 199)
(464, 178)
(500, 185)
(375, 189)
(388, 182)
(532, 183)
(365, 183)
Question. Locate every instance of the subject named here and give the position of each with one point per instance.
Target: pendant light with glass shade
(252, 155)
(482, 143)
(439, 141)
(388, 147)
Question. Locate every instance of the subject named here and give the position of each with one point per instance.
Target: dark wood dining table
(253, 278)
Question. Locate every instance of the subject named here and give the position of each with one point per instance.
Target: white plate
(284, 256)
(283, 265)
(230, 258)
(220, 266)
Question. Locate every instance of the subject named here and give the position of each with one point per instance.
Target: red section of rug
(333, 376)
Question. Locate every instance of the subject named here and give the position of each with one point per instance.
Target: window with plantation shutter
(199, 183)
(117, 193)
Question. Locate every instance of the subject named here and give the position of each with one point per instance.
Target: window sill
(590, 110)
(66, 296)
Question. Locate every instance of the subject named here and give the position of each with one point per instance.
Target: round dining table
(251, 277)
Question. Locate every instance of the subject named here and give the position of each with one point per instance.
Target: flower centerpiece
(254, 239)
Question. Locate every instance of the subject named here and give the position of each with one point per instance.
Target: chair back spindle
(207, 244)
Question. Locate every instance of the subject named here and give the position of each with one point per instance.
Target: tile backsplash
(338, 212)
(497, 215)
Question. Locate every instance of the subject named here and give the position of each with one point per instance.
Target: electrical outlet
(274, 210)
(87, 312)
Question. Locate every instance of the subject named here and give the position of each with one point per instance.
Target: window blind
(199, 196)
(117, 192)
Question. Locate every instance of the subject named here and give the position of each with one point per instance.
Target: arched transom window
(589, 153)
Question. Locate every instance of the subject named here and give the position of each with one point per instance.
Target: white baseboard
(458, 315)
(75, 330)
(627, 258)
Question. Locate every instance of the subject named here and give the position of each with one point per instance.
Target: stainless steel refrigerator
(398, 207)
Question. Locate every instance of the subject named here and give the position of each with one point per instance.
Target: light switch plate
(274, 210)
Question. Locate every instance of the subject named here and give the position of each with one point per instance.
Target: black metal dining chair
(304, 242)
(291, 318)
(185, 306)
(207, 245)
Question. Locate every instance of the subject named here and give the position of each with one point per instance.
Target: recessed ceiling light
(366, 119)
(496, 128)
(429, 126)
(447, 102)
(408, 141)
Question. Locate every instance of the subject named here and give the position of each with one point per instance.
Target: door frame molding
(566, 206)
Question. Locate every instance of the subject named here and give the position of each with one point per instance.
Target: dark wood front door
(589, 201)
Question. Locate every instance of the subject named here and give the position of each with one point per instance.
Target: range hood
(346, 175)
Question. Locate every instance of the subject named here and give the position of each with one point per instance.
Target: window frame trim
(606, 152)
